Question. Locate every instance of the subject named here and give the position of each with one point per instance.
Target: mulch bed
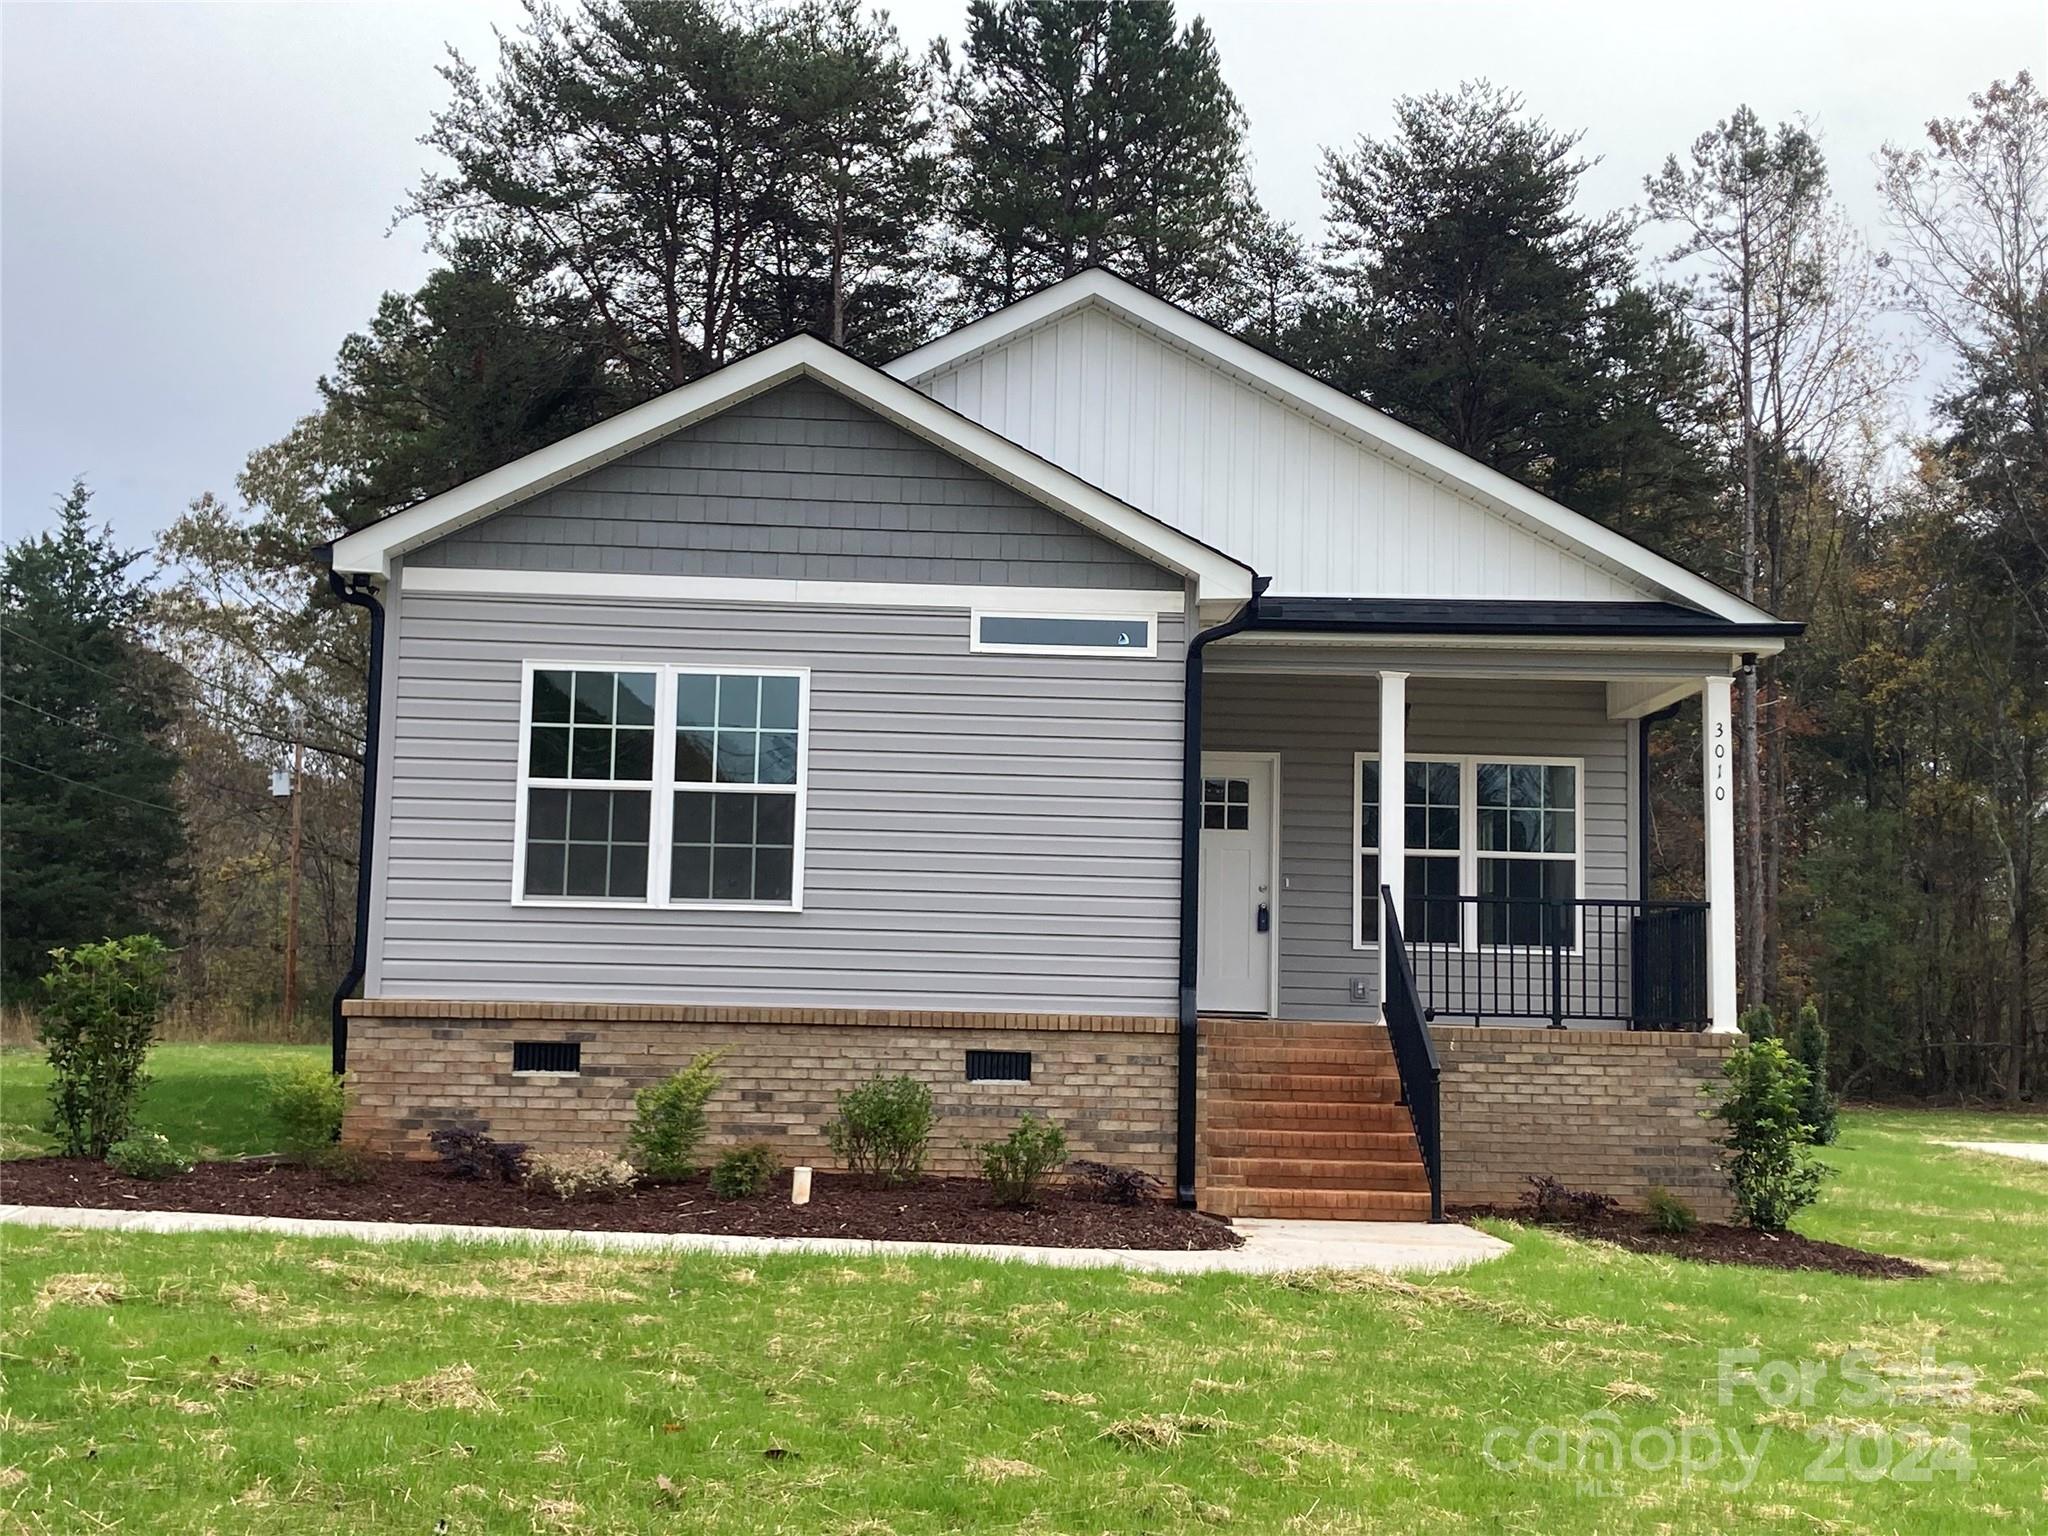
(1712, 1242)
(927, 1210)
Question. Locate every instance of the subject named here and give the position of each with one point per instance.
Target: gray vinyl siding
(985, 831)
(797, 484)
(1316, 724)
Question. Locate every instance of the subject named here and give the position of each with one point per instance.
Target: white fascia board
(1416, 450)
(370, 551)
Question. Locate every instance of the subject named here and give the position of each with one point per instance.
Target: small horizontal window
(999, 1066)
(547, 1056)
(1061, 636)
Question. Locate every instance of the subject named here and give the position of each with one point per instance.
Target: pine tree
(89, 834)
(1470, 299)
(1093, 132)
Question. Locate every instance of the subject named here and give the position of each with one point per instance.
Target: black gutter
(362, 595)
(1191, 881)
(1645, 630)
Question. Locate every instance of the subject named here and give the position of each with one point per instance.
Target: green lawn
(236, 1384)
(206, 1098)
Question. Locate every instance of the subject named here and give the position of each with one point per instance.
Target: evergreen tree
(1468, 298)
(1093, 132)
(90, 835)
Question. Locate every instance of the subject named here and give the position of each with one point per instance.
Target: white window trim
(1009, 648)
(1469, 852)
(662, 787)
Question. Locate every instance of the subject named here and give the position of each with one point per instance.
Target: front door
(1235, 960)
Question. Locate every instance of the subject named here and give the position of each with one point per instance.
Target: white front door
(1235, 959)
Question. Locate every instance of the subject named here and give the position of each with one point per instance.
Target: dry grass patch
(453, 1387)
(79, 1291)
(1001, 1469)
(1161, 1431)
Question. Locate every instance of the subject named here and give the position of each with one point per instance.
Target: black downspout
(1191, 881)
(362, 595)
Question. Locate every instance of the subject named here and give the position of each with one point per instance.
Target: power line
(192, 701)
(97, 789)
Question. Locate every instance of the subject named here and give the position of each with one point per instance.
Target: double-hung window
(1435, 834)
(662, 786)
(1503, 830)
(1528, 851)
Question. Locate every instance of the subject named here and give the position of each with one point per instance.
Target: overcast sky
(195, 200)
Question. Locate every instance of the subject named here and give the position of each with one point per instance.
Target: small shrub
(97, 1018)
(467, 1153)
(1773, 1174)
(1758, 1022)
(146, 1155)
(583, 1175)
(340, 1164)
(305, 1103)
(1115, 1183)
(1016, 1166)
(743, 1172)
(1552, 1199)
(1669, 1213)
(668, 1120)
(1810, 1046)
(882, 1128)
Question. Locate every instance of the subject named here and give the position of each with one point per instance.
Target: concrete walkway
(1270, 1247)
(2031, 1151)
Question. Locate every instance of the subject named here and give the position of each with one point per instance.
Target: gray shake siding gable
(985, 831)
(800, 484)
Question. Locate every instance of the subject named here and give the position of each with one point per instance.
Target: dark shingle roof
(1499, 616)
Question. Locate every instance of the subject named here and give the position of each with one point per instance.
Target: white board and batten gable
(1298, 480)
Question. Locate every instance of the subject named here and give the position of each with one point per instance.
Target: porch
(1519, 854)
(1436, 992)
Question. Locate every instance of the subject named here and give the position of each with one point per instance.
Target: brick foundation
(1617, 1111)
(1107, 1081)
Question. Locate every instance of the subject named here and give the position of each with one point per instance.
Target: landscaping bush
(668, 1120)
(97, 1016)
(1552, 1199)
(1810, 1046)
(146, 1155)
(467, 1153)
(1115, 1183)
(340, 1164)
(305, 1103)
(743, 1172)
(580, 1175)
(882, 1128)
(1758, 1022)
(1016, 1166)
(1668, 1213)
(1763, 1106)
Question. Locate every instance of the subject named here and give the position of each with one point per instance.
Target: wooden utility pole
(291, 904)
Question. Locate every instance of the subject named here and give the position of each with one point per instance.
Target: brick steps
(1319, 1204)
(1304, 1121)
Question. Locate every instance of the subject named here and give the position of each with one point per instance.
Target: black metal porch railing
(1414, 1055)
(1639, 963)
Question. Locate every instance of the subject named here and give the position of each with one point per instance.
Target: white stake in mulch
(800, 1186)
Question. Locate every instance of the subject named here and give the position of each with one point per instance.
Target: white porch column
(1393, 799)
(1717, 752)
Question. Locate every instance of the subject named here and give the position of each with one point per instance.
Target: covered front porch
(1433, 950)
(1517, 856)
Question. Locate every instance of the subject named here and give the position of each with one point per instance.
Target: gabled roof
(369, 551)
(1408, 448)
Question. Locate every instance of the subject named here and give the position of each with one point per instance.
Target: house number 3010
(1720, 761)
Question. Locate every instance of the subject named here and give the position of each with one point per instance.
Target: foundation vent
(999, 1066)
(547, 1056)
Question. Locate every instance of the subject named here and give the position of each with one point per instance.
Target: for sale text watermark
(1604, 1454)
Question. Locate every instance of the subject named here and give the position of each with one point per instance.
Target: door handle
(1265, 918)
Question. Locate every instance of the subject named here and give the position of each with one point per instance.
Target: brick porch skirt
(414, 1066)
(1617, 1111)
